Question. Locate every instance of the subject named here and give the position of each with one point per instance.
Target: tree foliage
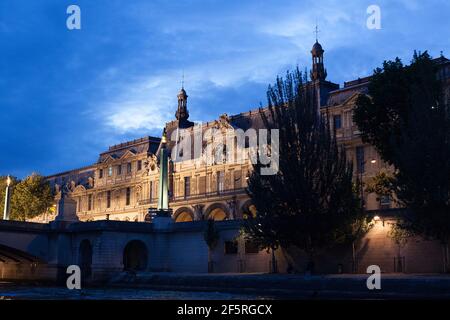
(30, 197)
(405, 116)
(211, 235)
(382, 184)
(310, 202)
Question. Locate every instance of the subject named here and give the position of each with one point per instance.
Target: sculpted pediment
(128, 154)
(109, 159)
(351, 101)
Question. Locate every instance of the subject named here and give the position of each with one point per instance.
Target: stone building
(123, 183)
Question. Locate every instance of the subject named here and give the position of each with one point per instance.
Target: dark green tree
(407, 118)
(211, 236)
(31, 197)
(310, 201)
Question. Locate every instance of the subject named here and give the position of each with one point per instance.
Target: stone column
(198, 211)
(163, 196)
(6, 208)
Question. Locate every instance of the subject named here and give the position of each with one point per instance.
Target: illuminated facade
(123, 183)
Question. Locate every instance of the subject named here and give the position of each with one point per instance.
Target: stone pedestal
(162, 223)
(66, 210)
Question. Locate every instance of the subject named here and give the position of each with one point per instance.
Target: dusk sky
(66, 95)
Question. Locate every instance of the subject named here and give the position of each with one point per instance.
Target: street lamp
(6, 208)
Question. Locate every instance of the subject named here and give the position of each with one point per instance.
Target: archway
(135, 256)
(217, 212)
(183, 214)
(85, 258)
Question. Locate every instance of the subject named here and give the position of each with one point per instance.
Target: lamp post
(6, 208)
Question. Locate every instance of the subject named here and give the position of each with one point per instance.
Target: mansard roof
(146, 144)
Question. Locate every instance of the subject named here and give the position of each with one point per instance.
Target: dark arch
(183, 214)
(217, 211)
(135, 256)
(85, 258)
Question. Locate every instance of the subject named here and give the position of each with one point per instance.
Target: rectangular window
(151, 191)
(108, 199)
(90, 202)
(201, 184)
(110, 171)
(231, 247)
(220, 181)
(251, 247)
(237, 179)
(337, 121)
(360, 159)
(139, 165)
(385, 201)
(128, 197)
(100, 173)
(129, 167)
(187, 186)
(119, 169)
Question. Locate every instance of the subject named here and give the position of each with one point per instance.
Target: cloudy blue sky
(65, 96)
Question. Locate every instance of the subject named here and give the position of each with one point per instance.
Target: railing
(227, 192)
(203, 195)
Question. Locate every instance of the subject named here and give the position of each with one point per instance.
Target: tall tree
(405, 116)
(310, 201)
(211, 236)
(31, 197)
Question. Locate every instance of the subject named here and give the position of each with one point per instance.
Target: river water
(16, 292)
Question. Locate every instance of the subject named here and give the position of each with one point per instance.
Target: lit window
(110, 171)
(220, 181)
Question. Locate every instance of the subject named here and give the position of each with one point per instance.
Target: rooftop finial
(316, 31)
(182, 80)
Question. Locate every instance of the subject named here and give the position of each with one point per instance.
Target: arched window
(184, 216)
(135, 256)
(217, 214)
